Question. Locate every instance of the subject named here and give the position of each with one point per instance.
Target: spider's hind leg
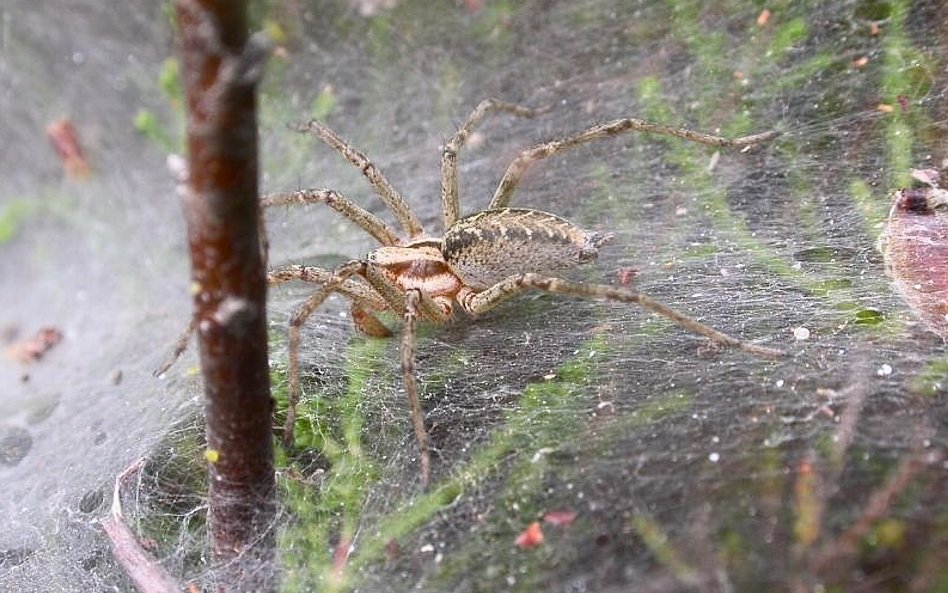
(481, 302)
(179, 347)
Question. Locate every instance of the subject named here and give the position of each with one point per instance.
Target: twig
(879, 504)
(221, 66)
(147, 574)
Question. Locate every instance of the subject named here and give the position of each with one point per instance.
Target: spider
(480, 261)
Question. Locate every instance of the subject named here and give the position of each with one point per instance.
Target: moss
(534, 445)
(169, 81)
(789, 35)
(539, 423)
(333, 429)
(932, 380)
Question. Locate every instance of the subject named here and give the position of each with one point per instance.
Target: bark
(221, 66)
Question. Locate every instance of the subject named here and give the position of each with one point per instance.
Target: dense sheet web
(648, 457)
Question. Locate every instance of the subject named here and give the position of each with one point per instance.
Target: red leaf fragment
(32, 349)
(65, 141)
(626, 275)
(531, 537)
(340, 558)
(392, 550)
(559, 518)
(763, 17)
(903, 102)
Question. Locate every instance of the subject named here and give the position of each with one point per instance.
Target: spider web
(649, 459)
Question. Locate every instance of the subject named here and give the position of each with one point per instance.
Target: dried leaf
(915, 249)
(560, 518)
(531, 537)
(34, 348)
(65, 140)
(763, 17)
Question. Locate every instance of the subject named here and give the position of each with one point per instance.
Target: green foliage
(869, 317)
(12, 215)
(147, 124)
(323, 104)
(932, 380)
(169, 81)
(789, 35)
(150, 125)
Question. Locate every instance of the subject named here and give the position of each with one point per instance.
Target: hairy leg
(372, 224)
(519, 165)
(412, 300)
(179, 347)
(379, 183)
(480, 302)
(334, 283)
(449, 158)
(369, 222)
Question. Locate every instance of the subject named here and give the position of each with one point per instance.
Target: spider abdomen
(486, 247)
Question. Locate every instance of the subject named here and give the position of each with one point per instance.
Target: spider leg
(415, 304)
(179, 347)
(412, 300)
(354, 290)
(379, 183)
(480, 302)
(364, 299)
(449, 157)
(335, 283)
(367, 323)
(519, 165)
(369, 222)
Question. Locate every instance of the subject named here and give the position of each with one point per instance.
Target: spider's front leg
(376, 179)
(412, 300)
(369, 222)
(334, 281)
(415, 304)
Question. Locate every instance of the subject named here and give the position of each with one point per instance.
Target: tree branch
(221, 67)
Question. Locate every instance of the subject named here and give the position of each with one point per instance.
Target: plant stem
(221, 66)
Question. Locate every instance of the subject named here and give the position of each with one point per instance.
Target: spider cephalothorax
(482, 259)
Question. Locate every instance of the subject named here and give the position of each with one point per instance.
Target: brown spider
(482, 259)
